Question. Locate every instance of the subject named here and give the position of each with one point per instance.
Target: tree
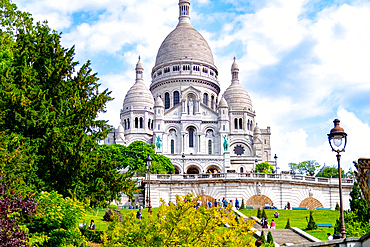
(357, 219)
(48, 113)
(270, 239)
(264, 215)
(287, 226)
(264, 167)
(330, 172)
(134, 158)
(259, 213)
(307, 167)
(242, 206)
(13, 208)
(311, 223)
(262, 237)
(180, 224)
(337, 207)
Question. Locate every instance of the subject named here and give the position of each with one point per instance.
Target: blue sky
(304, 63)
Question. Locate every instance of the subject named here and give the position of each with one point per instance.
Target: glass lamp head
(148, 162)
(337, 137)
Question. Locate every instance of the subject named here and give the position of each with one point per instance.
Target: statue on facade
(159, 142)
(226, 143)
(191, 106)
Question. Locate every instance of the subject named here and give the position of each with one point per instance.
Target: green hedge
(93, 236)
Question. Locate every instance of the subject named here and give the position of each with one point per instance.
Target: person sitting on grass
(92, 225)
(276, 214)
(330, 237)
(139, 215)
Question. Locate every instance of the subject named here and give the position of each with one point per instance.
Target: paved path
(281, 236)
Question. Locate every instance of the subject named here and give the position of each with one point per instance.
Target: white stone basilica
(182, 113)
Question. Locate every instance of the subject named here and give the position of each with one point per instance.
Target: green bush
(56, 221)
(94, 236)
(262, 237)
(270, 239)
(242, 206)
(259, 214)
(112, 206)
(287, 226)
(337, 208)
(311, 223)
(264, 215)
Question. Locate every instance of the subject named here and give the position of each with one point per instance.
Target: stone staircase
(290, 236)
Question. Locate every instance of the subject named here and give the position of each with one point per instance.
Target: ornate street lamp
(183, 164)
(338, 141)
(148, 164)
(275, 157)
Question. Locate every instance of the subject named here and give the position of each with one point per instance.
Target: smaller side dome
(139, 65)
(257, 130)
(159, 102)
(234, 66)
(223, 103)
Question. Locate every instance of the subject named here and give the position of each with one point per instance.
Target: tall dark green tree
(48, 113)
(330, 171)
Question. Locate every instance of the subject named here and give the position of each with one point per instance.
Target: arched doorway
(177, 170)
(213, 168)
(311, 203)
(205, 199)
(192, 170)
(258, 201)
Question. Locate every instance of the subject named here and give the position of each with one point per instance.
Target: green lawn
(298, 219)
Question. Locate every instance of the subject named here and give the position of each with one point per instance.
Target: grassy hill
(297, 218)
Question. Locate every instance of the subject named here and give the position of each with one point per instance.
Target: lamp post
(338, 141)
(183, 163)
(148, 163)
(275, 157)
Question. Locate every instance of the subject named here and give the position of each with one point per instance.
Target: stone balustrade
(242, 176)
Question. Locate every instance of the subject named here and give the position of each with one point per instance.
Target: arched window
(223, 128)
(241, 170)
(151, 127)
(128, 123)
(212, 101)
(176, 98)
(141, 123)
(136, 123)
(125, 124)
(236, 123)
(209, 147)
(172, 146)
(149, 124)
(248, 125)
(167, 101)
(240, 123)
(205, 99)
(265, 143)
(191, 138)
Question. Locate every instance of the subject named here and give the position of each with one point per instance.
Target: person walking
(237, 203)
(92, 225)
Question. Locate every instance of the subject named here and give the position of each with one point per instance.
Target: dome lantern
(139, 70)
(184, 11)
(235, 71)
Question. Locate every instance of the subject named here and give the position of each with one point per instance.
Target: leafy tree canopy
(330, 172)
(181, 224)
(308, 167)
(264, 167)
(49, 131)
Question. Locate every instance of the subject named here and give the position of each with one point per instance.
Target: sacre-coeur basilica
(185, 110)
(208, 132)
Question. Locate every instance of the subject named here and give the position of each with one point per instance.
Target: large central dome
(184, 43)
